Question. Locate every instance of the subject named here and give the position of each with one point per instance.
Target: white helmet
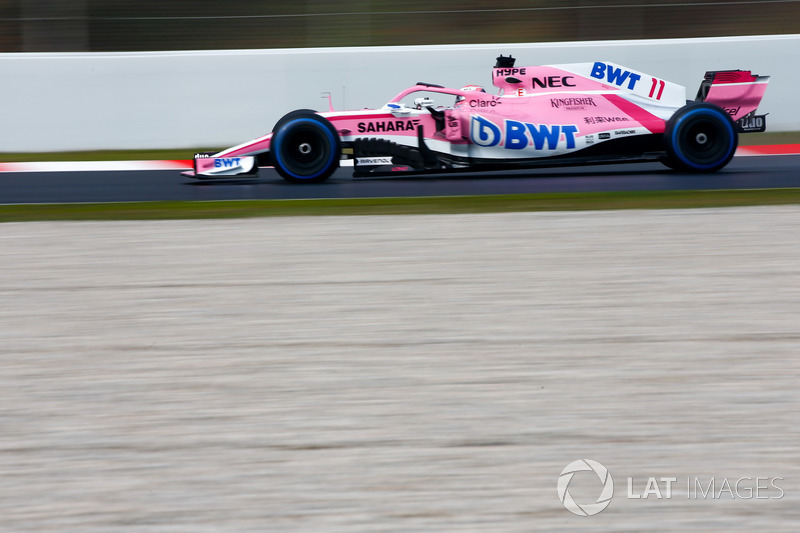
(477, 88)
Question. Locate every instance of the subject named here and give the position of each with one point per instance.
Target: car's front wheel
(700, 137)
(305, 147)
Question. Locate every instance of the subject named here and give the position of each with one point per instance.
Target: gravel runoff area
(402, 373)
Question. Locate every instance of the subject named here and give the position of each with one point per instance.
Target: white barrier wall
(207, 99)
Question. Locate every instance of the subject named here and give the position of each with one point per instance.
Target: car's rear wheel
(305, 147)
(700, 137)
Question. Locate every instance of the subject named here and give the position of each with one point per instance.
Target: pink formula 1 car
(572, 114)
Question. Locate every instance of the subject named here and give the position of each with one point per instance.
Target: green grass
(394, 206)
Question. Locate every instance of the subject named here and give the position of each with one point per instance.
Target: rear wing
(738, 93)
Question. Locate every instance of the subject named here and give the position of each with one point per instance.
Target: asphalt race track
(753, 172)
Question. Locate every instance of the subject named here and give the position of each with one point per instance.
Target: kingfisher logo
(521, 135)
(606, 492)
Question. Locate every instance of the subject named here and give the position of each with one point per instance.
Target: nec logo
(227, 162)
(553, 81)
(615, 76)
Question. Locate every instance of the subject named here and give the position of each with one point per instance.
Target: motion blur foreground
(146, 25)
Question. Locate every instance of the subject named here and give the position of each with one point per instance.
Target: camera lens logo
(587, 509)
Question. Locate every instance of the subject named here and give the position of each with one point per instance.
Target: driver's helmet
(460, 98)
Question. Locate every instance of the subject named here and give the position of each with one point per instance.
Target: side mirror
(398, 109)
(419, 103)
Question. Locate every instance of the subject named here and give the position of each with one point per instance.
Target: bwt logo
(613, 75)
(228, 162)
(520, 135)
(606, 493)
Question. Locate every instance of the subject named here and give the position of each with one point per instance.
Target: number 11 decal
(660, 84)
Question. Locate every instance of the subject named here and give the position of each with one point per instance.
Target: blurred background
(146, 25)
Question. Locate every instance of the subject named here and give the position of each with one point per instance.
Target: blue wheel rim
(724, 121)
(279, 138)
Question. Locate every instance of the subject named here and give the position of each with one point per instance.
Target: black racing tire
(700, 137)
(305, 147)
